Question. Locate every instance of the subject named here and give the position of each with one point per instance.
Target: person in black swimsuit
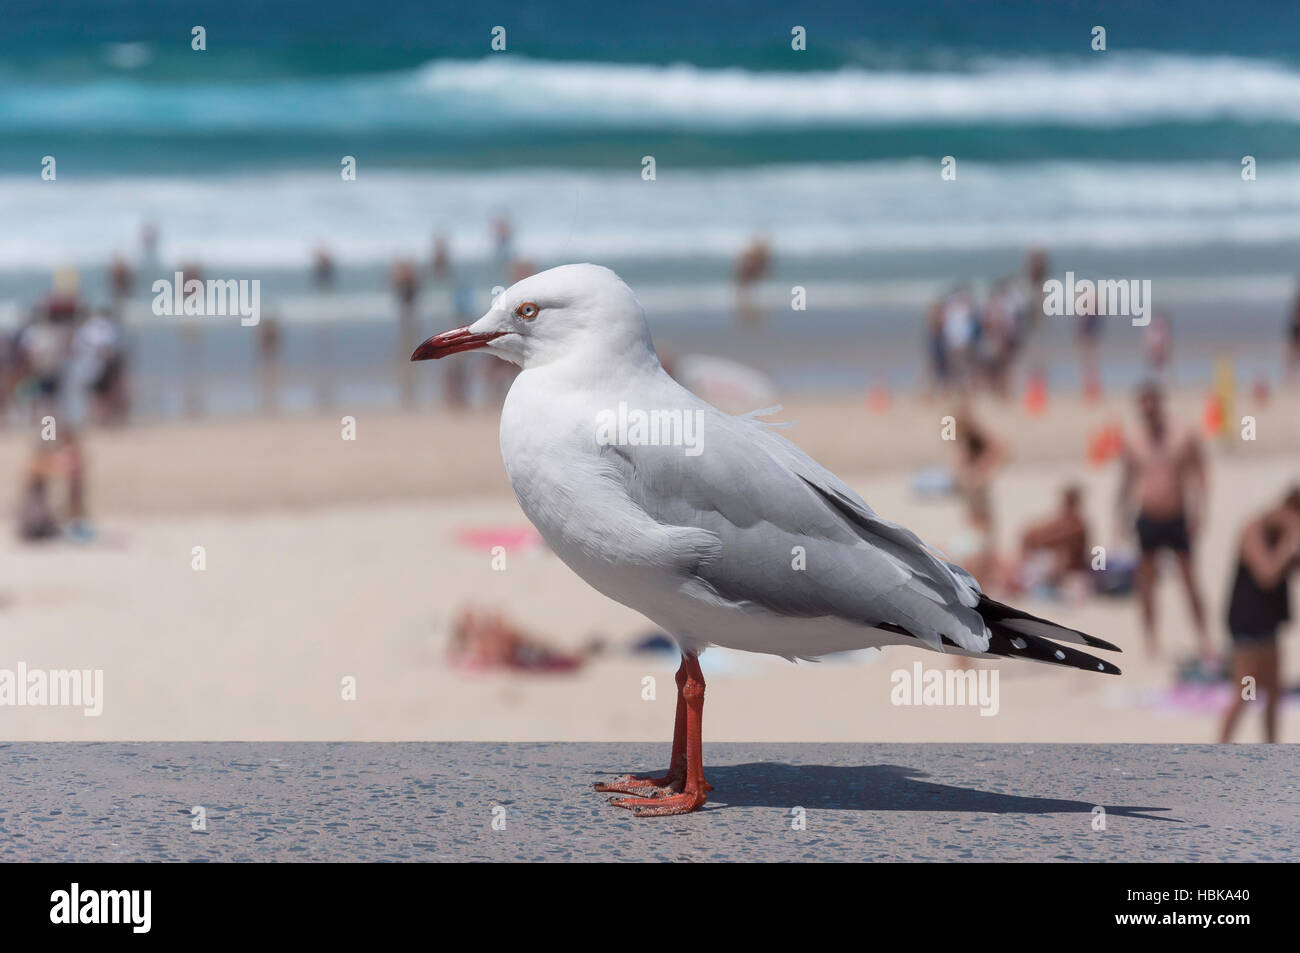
(1293, 339)
(1260, 605)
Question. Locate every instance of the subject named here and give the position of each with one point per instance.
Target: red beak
(452, 342)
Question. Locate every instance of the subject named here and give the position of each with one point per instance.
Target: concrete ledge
(427, 802)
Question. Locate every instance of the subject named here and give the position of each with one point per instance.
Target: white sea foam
(274, 220)
(1113, 89)
(1108, 89)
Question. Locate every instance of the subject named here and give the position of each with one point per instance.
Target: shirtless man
(1062, 538)
(1164, 492)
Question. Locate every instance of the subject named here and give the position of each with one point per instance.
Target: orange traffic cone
(1212, 416)
(1036, 393)
(878, 397)
(1105, 444)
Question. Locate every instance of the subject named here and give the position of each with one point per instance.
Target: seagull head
(577, 312)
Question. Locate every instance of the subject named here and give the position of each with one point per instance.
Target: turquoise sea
(1124, 162)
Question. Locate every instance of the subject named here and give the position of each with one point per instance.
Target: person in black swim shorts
(1164, 488)
(1157, 534)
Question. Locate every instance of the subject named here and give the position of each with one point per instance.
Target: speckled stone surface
(429, 802)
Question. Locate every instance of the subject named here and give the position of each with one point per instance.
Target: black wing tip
(1011, 644)
(993, 611)
(1093, 642)
(1004, 643)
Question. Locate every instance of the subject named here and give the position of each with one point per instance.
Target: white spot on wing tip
(1060, 655)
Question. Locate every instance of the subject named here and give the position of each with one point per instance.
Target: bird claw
(640, 790)
(645, 786)
(642, 785)
(682, 803)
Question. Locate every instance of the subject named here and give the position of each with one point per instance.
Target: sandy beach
(330, 559)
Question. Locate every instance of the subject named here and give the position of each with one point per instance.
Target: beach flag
(1212, 414)
(1218, 404)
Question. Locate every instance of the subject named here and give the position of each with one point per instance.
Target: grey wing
(794, 538)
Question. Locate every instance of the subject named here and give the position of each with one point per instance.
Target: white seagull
(713, 526)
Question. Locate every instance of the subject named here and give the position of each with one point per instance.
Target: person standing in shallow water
(1260, 605)
(406, 288)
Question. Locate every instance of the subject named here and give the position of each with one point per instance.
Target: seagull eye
(527, 310)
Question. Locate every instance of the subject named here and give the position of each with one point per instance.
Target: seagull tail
(1014, 633)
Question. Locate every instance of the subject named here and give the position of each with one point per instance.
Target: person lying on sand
(484, 640)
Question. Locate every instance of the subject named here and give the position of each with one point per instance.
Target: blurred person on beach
(62, 456)
(43, 346)
(1163, 493)
(1030, 313)
(322, 269)
(406, 289)
(752, 265)
(59, 371)
(482, 640)
(148, 243)
(120, 282)
(405, 283)
(36, 520)
(1088, 340)
(997, 341)
(40, 349)
(1035, 275)
(148, 265)
(323, 275)
(268, 359)
(9, 373)
(1158, 346)
(1054, 551)
(99, 348)
(1260, 605)
(503, 241)
(455, 375)
(980, 455)
(960, 334)
(191, 333)
(936, 349)
(440, 266)
(1293, 340)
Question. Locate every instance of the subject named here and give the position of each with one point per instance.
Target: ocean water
(1123, 163)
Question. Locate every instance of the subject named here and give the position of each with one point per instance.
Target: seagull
(713, 526)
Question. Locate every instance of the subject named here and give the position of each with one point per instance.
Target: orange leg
(690, 792)
(647, 786)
